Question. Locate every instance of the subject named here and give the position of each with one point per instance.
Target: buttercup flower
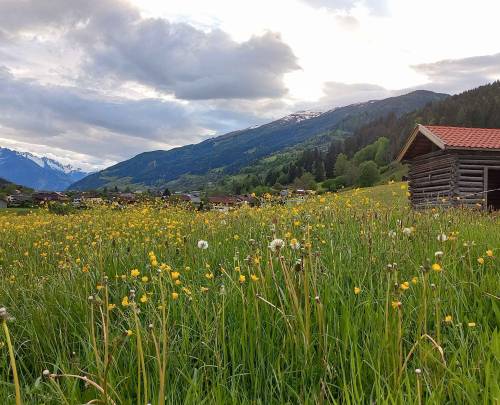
(437, 267)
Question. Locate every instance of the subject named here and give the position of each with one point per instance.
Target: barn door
(492, 184)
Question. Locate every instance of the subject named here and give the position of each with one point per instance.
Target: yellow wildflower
(209, 276)
(480, 260)
(135, 272)
(125, 302)
(489, 253)
(437, 267)
(404, 286)
(241, 278)
(175, 295)
(111, 307)
(175, 275)
(357, 290)
(145, 279)
(396, 304)
(144, 298)
(254, 277)
(448, 319)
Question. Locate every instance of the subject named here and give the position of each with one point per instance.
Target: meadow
(346, 298)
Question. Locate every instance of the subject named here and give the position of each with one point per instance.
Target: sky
(94, 82)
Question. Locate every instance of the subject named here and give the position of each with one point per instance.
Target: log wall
(432, 179)
(451, 178)
(472, 175)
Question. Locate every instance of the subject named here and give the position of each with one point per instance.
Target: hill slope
(7, 187)
(479, 107)
(35, 172)
(230, 152)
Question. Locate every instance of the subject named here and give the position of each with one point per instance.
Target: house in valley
(49, 196)
(3, 203)
(453, 166)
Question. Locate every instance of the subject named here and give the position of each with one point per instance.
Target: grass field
(350, 298)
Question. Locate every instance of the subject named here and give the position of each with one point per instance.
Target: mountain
(227, 154)
(476, 108)
(40, 173)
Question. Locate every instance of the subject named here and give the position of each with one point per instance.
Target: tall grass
(121, 306)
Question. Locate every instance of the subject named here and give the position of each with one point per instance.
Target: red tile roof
(473, 138)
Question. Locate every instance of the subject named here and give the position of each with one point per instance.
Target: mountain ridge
(40, 173)
(230, 152)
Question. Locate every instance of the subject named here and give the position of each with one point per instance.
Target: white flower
(442, 237)
(202, 244)
(276, 244)
(407, 231)
(392, 234)
(439, 254)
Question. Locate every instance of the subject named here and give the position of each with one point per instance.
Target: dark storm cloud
(456, 75)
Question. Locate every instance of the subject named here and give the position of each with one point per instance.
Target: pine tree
(319, 170)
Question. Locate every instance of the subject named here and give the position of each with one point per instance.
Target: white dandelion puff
(276, 244)
(202, 244)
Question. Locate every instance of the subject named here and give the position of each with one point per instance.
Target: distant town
(198, 200)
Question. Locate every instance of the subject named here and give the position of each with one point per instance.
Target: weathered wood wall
(472, 175)
(432, 179)
(450, 178)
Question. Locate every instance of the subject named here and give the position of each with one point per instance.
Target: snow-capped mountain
(301, 116)
(40, 173)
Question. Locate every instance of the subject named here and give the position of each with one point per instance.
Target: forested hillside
(479, 108)
(228, 154)
(365, 157)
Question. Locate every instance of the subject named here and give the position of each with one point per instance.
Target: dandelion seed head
(202, 244)
(276, 244)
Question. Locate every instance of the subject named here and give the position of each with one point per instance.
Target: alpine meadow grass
(345, 298)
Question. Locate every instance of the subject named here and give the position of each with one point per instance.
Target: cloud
(337, 94)
(378, 7)
(98, 82)
(174, 58)
(457, 75)
(18, 16)
(110, 128)
(193, 65)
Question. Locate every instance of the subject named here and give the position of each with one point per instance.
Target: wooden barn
(452, 166)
